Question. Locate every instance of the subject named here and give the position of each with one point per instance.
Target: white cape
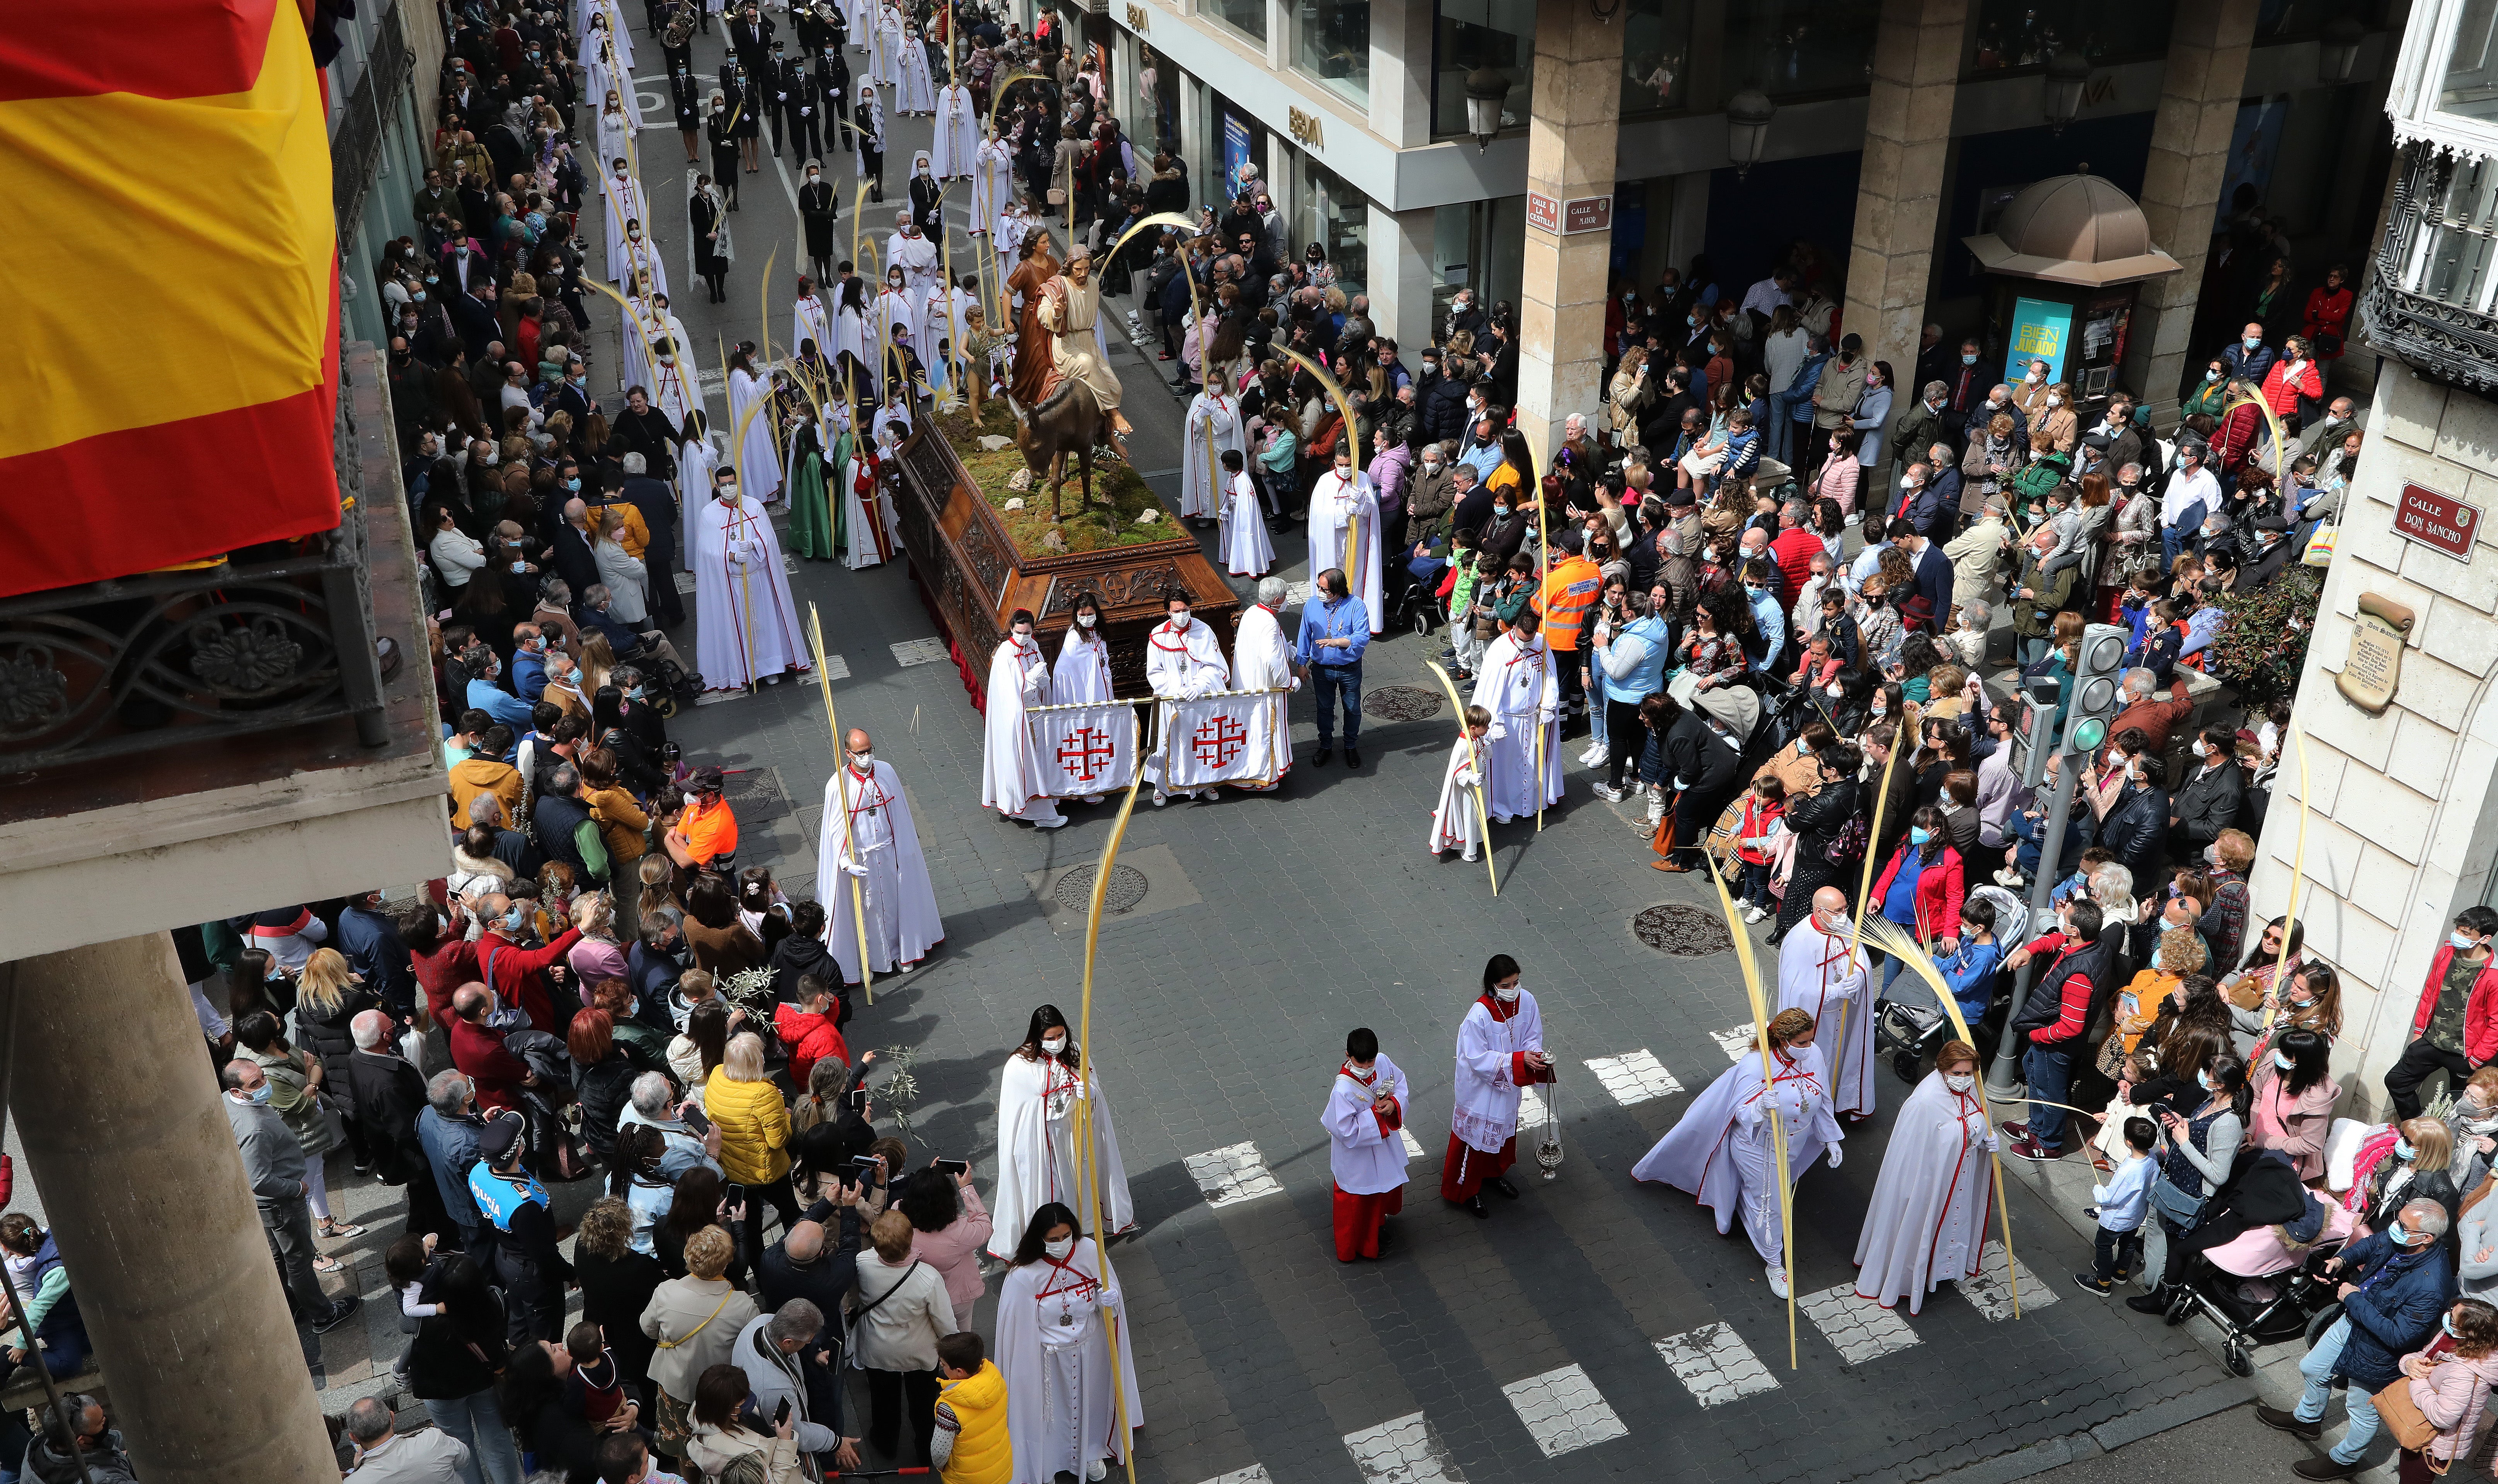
(1037, 1150)
(1246, 550)
(1211, 429)
(1927, 1221)
(901, 921)
(1487, 1095)
(696, 460)
(1339, 514)
(957, 139)
(1721, 1149)
(811, 319)
(757, 452)
(1061, 1415)
(1083, 669)
(992, 185)
(1818, 976)
(1524, 695)
(1013, 780)
(746, 626)
(1364, 1158)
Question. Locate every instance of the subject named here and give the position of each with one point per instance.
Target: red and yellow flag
(171, 301)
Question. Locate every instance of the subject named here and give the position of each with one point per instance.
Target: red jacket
(811, 1038)
(2282, 391)
(479, 1055)
(441, 973)
(1939, 892)
(1759, 814)
(520, 978)
(1795, 548)
(2480, 1012)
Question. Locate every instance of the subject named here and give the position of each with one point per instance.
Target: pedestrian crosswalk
(1858, 1329)
(1634, 1077)
(1563, 1410)
(918, 651)
(1231, 1173)
(1736, 1043)
(1714, 1364)
(1993, 1295)
(1403, 1450)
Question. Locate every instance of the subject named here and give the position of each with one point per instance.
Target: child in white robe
(1455, 823)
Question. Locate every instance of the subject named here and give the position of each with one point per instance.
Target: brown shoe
(1676, 867)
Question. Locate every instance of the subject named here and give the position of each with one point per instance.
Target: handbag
(2319, 547)
(2410, 1426)
(2175, 1207)
(849, 1327)
(1849, 843)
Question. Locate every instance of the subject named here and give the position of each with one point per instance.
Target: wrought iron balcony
(2433, 299)
(180, 658)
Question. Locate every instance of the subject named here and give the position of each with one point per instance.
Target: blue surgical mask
(1918, 834)
(2281, 1059)
(513, 918)
(635, 694)
(572, 484)
(2252, 341)
(2155, 961)
(2211, 376)
(2403, 1149)
(2446, 1322)
(1968, 359)
(2463, 942)
(260, 1095)
(2204, 1080)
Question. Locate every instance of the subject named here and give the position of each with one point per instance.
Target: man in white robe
(1013, 778)
(1514, 682)
(884, 49)
(746, 627)
(1500, 1053)
(1037, 1148)
(1262, 659)
(1183, 660)
(1211, 429)
(627, 202)
(1344, 530)
(911, 250)
(1821, 974)
(1082, 673)
(809, 321)
(874, 865)
(958, 134)
(1365, 1127)
(918, 78)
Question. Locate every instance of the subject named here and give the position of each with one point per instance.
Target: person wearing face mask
(878, 848)
(1014, 781)
(272, 1164)
(1501, 1050)
(2061, 1003)
(2196, 1160)
(1055, 1315)
(746, 627)
(1364, 1118)
(1041, 1083)
(1825, 975)
(2207, 803)
(1183, 661)
(2294, 1103)
(2395, 1286)
(2248, 358)
(1722, 1149)
(2454, 1028)
(1926, 1223)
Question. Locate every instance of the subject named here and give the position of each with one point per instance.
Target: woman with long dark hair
(1825, 848)
(1037, 1093)
(2295, 1108)
(2193, 1162)
(701, 1200)
(453, 1363)
(1054, 1313)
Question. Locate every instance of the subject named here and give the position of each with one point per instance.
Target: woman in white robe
(885, 45)
(758, 451)
(1055, 1313)
(918, 83)
(1037, 1090)
(1516, 683)
(1013, 780)
(896, 307)
(1083, 672)
(1246, 550)
(992, 183)
(696, 460)
(957, 144)
(615, 132)
(1211, 429)
(1723, 1149)
(1926, 1223)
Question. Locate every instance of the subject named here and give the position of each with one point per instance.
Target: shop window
(1331, 43)
(1246, 16)
(1656, 56)
(1337, 216)
(1794, 49)
(2017, 34)
(1498, 34)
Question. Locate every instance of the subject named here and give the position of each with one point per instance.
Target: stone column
(1572, 141)
(1899, 197)
(1401, 243)
(139, 1174)
(1400, 70)
(2181, 186)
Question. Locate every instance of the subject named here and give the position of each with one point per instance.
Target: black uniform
(794, 116)
(833, 84)
(723, 132)
(819, 205)
(687, 97)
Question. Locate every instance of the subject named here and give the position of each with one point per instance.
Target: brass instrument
(680, 28)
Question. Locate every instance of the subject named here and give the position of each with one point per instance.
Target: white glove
(1466, 778)
(1833, 1156)
(852, 866)
(1993, 1142)
(1106, 1301)
(1498, 731)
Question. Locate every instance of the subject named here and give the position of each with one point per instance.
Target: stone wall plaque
(2373, 665)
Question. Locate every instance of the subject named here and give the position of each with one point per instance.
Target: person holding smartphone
(787, 1356)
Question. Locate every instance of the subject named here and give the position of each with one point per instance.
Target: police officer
(686, 95)
(526, 1264)
(833, 84)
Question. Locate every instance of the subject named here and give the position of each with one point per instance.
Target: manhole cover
(1401, 703)
(1075, 890)
(1687, 932)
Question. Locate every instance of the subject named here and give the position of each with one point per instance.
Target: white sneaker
(1594, 754)
(1097, 1471)
(1060, 823)
(1608, 793)
(1095, 798)
(1777, 1279)
(2008, 878)
(1469, 857)
(1855, 518)
(1754, 914)
(1160, 800)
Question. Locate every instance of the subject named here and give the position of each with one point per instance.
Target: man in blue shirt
(492, 699)
(1795, 404)
(1335, 628)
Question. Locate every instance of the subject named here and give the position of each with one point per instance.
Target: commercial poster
(1236, 153)
(2041, 330)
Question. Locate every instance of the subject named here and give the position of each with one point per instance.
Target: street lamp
(1486, 89)
(2069, 71)
(1747, 128)
(2337, 49)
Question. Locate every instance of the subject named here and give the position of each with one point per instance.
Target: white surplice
(1054, 1351)
(1491, 1045)
(1181, 664)
(992, 184)
(1037, 1150)
(1246, 550)
(1515, 682)
(1722, 1151)
(809, 321)
(1818, 975)
(1344, 517)
(1455, 823)
(901, 920)
(1013, 780)
(1082, 673)
(915, 253)
(625, 200)
(1364, 1158)
(1211, 429)
(757, 452)
(746, 626)
(1926, 1220)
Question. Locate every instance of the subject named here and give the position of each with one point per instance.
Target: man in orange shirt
(704, 837)
(1570, 588)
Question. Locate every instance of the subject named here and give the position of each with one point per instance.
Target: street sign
(1543, 212)
(1587, 214)
(2441, 523)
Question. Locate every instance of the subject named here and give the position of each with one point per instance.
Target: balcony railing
(2433, 298)
(356, 149)
(178, 658)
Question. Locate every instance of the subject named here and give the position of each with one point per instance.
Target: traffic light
(2095, 692)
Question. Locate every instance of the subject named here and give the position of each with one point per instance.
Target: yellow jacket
(983, 1451)
(754, 1128)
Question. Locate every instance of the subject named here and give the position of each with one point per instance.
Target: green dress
(811, 515)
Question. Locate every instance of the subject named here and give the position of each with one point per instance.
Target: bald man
(386, 1093)
(870, 868)
(1821, 971)
(804, 1264)
(477, 1051)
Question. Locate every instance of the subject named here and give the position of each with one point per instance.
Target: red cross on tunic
(1085, 752)
(1217, 742)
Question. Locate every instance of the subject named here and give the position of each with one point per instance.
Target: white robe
(850, 338)
(1926, 1223)
(1488, 1094)
(1083, 669)
(757, 451)
(992, 184)
(737, 563)
(901, 921)
(675, 389)
(894, 310)
(1246, 550)
(958, 134)
(614, 133)
(884, 43)
(1037, 1150)
(866, 523)
(1364, 1158)
(918, 80)
(618, 78)
(1343, 509)
(1262, 659)
(1054, 1351)
(1818, 976)
(809, 320)
(696, 460)
(1521, 690)
(626, 201)
(1455, 824)
(1212, 429)
(1723, 1150)
(1013, 780)
(915, 254)
(1182, 664)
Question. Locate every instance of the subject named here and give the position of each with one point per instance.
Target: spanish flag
(170, 301)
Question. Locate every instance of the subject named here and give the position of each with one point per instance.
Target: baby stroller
(2255, 1257)
(1912, 1033)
